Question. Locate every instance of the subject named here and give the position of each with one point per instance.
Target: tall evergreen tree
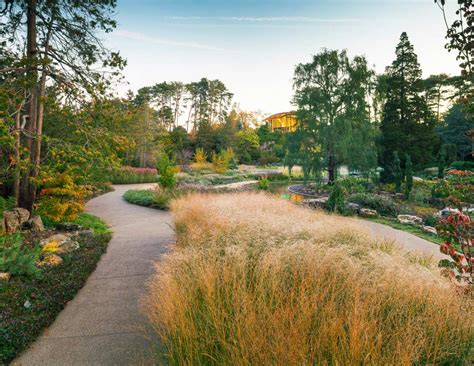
(454, 129)
(407, 123)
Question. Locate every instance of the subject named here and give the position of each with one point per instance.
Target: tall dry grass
(255, 280)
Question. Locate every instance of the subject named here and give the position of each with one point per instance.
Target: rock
(22, 214)
(5, 276)
(83, 235)
(355, 207)
(68, 226)
(410, 219)
(69, 246)
(51, 260)
(11, 224)
(27, 304)
(14, 219)
(447, 210)
(430, 229)
(367, 212)
(35, 224)
(319, 202)
(59, 238)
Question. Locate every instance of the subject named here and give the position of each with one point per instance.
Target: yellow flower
(52, 247)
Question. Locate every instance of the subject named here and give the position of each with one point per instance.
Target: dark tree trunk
(27, 192)
(331, 169)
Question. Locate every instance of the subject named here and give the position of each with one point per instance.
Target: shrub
(385, 206)
(462, 165)
(336, 202)
(60, 198)
(397, 172)
(159, 198)
(166, 169)
(263, 184)
(259, 281)
(353, 185)
(6, 204)
(16, 259)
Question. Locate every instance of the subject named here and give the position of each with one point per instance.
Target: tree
(453, 131)
(397, 172)
(460, 35)
(408, 123)
(248, 145)
(331, 96)
(62, 48)
(460, 38)
(408, 176)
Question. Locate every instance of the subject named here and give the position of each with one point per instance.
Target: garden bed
(30, 304)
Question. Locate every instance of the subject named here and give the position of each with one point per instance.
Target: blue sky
(253, 45)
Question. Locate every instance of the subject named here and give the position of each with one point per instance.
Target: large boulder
(367, 212)
(14, 219)
(430, 229)
(35, 224)
(319, 202)
(410, 219)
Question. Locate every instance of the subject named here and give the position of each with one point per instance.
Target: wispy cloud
(137, 36)
(299, 19)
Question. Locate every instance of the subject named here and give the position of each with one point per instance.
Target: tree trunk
(16, 183)
(27, 194)
(331, 169)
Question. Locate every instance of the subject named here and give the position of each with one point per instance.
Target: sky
(254, 45)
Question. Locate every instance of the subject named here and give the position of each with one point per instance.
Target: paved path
(409, 242)
(102, 325)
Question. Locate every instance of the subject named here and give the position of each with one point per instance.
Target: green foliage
(408, 177)
(385, 206)
(158, 198)
(453, 131)
(397, 172)
(331, 95)
(462, 165)
(221, 162)
(263, 184)
(353, 185)
(17, 259)
(408, 123)
(167, 173)
(6, 204)
(248, 145)
(336, 202)
(88, 221)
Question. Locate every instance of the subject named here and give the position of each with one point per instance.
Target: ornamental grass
(257, 280)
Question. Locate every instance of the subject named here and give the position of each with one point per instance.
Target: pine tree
(397, 172)
(407, 123)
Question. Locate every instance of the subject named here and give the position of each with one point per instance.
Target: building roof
(281, 114)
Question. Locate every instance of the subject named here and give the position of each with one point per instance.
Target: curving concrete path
(407, 241)
(103, 325)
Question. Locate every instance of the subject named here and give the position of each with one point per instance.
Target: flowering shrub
(131, 175)
(456, 230)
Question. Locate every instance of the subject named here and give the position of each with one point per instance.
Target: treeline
(351, 116)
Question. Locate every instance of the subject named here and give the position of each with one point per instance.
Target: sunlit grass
(255, 280)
